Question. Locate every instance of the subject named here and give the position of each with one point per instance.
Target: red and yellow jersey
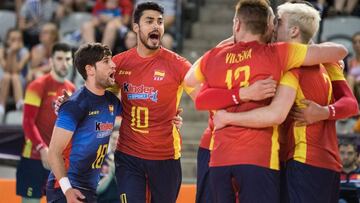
(314, 144)
(150, 94)
(39, 115)
(242, 64)
(207, 140)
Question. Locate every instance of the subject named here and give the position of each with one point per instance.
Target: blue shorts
(256, 184)
(203, 189)
(55, 195)
(163, 178)
(31, 178)
(283, 184)
(311, 184)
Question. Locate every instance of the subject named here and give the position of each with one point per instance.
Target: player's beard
(104, 83)
(61, 73)
(144, 39)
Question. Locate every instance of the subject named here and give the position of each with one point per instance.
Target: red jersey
(151, 89)
(207, 140)
(39, 117)
(314, 144)
(242, 64)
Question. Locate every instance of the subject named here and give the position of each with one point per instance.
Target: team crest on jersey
(140, 92)
(111, 109)
(159, 75)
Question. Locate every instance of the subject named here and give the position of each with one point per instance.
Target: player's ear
(90, 70)
(136, 28)
(294, 31)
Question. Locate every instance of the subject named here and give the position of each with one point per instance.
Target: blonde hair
(302, 15)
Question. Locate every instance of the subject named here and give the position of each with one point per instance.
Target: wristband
(64, 184)
(332, 111)
(39, 147)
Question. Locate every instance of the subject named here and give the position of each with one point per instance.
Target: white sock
(2, 110)
(19, 104)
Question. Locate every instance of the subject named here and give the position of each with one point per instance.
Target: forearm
(57, 163)
(345, 102)
(30, 128)
(216, 98)
(258, 118)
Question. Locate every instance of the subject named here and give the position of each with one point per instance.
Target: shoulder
(39, 83)
(173, 57)
(118, 57)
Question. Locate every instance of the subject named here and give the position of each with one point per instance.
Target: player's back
(242, 64)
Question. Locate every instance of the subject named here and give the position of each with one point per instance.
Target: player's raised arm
(324, 53)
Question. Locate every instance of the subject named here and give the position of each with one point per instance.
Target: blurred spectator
(350, 174)
(130, 40)
(353, 64)
(169, 20)
(41, 53)
(110, 18)
(33, 15)
(345, 7)
(67, 7)
(346, 126)
(13, 58)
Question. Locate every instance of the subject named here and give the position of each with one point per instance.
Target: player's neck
(56, 77)
(93, 88)
(145, 52)
(248, 37)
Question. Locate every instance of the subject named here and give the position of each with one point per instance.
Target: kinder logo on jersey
(140, 92)
(103, 126)
(159, 75)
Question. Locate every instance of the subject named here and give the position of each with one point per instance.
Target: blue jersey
(91, 118)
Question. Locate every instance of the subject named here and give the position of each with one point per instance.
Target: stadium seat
(340, 30)
(7, 21)
(14, 118)
(342, 25)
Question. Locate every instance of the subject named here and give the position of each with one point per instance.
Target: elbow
(343, 52)
(355, 107)
(277, 119)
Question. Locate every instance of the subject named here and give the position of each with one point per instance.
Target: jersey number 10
(139, 119)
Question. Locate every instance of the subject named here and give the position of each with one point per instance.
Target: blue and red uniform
(91, 117)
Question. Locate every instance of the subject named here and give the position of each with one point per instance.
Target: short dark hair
(60, 47)
(140, 8)
(89, 54)
(254, 14)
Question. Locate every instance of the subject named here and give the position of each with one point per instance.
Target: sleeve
(70, 114)
(32, 102)
(345, 104)
(216, 98)
(200, 67)
(185, 66)
(290, 79)
(292, 55)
